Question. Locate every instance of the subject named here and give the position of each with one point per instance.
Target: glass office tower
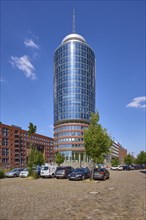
(74, 96)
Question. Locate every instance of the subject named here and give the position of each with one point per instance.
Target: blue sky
(30, 33)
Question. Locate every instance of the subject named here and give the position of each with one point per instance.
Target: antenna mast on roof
(73, 23)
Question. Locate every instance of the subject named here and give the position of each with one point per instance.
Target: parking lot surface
(122, 197)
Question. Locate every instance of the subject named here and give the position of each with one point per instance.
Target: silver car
(14, 173)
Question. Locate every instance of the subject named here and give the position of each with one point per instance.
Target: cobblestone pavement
(122, 197)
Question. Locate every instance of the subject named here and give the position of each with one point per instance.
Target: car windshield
(99, 170)
(14, 170)
(86, 169)
(26, 169)
(61, 168)
(45, 168)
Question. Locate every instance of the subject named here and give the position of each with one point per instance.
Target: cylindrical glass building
(74, 95)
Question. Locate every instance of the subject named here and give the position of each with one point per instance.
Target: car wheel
(15, 175)
(83, 177)
(104, 178)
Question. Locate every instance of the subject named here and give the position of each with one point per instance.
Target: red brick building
(122, 153)
(116, 151)
(14, 143)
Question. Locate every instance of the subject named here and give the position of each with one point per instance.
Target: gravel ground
(122, 197)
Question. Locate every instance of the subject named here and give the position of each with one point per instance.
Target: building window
(4, 141)
(5, 131)
(5, 160)
(5, 151)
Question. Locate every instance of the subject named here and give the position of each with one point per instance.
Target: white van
(48, 170)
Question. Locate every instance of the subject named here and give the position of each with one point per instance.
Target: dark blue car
(79, 174)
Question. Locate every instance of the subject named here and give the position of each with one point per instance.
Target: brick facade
(122, 154)
(14, 143)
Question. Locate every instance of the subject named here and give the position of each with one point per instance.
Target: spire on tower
(73, 23)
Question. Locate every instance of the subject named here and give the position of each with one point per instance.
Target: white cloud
(30, 43)
(23, 63)
(138, 102)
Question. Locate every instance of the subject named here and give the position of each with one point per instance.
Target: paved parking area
(122, 197)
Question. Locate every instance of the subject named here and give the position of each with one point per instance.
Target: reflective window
(74, 81)
(74, 92)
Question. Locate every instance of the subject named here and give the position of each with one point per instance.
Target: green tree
(141, 158)
(31, 130)
(97, 142)
(2, 174)
(129, 159)
(100, 159)
(35, 158)
(59, 158)
(115, 161)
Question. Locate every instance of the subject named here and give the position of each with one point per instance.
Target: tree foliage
(100, 159)
(59, 158)
(35, 158)
(115, 161)
(129, 159)
(2, 174)
(141, 158)
(31, 129)
(96, 139)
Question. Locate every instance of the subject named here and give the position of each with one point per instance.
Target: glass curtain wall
(74, 91)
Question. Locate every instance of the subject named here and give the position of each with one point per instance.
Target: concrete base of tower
(75, 157)
(77, 164)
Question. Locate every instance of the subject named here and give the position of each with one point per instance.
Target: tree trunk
(92, 171)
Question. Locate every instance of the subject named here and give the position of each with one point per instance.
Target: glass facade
(75, 156)
(74, 90)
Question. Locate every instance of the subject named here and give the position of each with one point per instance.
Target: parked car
(14, 173)
(79, 174)
(63, 171)
(24, 173)
(101, 173)
(128, 167)
(48, 170)
(141, 166)
(117, 167)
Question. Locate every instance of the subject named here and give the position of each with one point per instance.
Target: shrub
(30, 171)
(2, 174)
(34, 175)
